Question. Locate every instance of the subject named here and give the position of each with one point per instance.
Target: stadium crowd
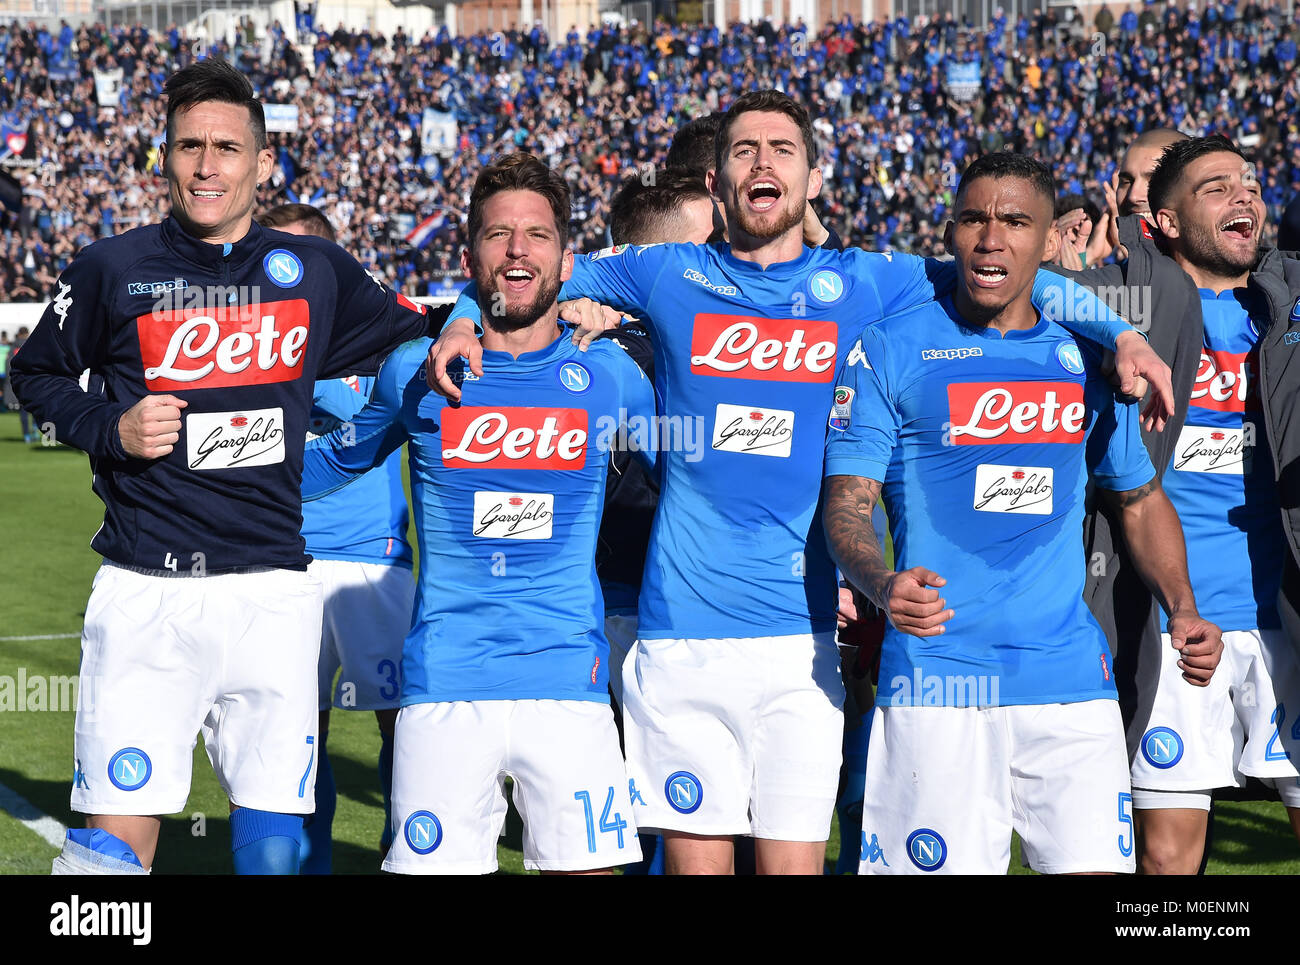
(894, 133)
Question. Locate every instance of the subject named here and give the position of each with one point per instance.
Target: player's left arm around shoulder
(1155, 540)
(1076, 308)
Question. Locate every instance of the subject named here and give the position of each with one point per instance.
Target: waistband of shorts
(190, 575)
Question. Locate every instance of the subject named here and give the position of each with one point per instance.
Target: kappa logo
(1291, 338)
(130, 769)
(283, 268)
(514, 437)
(62, 302)
(993, 413)
(770, 349)
(969, 352)
(423, 832)
(1295, 312)
(156, 288)
(926, 849)
(1162, 747)
(690, 274)
(199, 348)
(684, 792)
(872, 851)
(827, 286)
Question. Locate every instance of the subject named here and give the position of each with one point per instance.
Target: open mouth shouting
(516, 278)
(762, 194)
(989, 275)
(1242, 227)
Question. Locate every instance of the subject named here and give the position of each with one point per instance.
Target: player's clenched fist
(1199, 644)
(151, 427)
(913, 606)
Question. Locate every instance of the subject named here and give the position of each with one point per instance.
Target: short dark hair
(1007, 164)
(693, 148)
(1070, 202)
(214, 80)
(765, 100)
(311, 218)
(1169, 169)
(646, 214)
(520, 171)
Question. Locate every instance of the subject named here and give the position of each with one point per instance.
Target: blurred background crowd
(386, 133)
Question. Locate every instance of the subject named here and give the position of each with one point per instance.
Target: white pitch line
(27, 814)
(42, 636)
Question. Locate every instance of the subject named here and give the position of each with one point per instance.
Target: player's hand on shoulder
(1137, 387)
(1199, 644)
(457, 340)
(151, 428)
(589, 318)
(1135, 359)
(913, 603)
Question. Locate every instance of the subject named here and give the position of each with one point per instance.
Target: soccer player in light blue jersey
(982, 422)
(733, 694)
(505, 671)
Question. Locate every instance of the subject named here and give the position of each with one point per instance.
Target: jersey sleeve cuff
(1122, 484)
(855, 466)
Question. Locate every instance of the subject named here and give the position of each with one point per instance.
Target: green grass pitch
(46, 567)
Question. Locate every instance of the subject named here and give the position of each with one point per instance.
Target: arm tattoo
(850, 535)
(1129, 497)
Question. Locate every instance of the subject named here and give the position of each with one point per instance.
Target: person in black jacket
(206, 333)
(1220, 309)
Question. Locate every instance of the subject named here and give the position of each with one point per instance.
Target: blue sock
(652, 850)
(95, 851)
(849, 806)
(315, 852)
(264, 842)
(386, 786)
(657, 862)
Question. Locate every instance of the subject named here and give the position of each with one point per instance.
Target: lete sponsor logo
(218, 347)
(997, 413)
(514, 437)
(232, 440)
(1013, 489)
(772, 349)
(1225, 381)
(513, 515)
(1211, 449)
(746, 428)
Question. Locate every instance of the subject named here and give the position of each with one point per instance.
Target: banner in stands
(281, 118)
(963, 81)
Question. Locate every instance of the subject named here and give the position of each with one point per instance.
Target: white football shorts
(947, 785)
(735, 736)
(232, 655)
(367, 615)
(450, 764)
(1245, 722)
